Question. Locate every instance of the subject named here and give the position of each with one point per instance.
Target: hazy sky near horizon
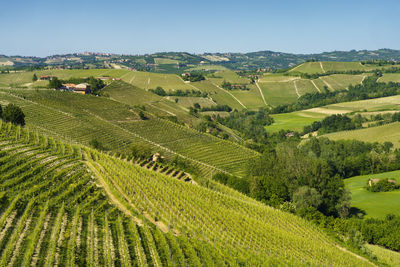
(47, 27)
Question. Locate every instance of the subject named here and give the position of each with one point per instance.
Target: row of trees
(194, 93)
(334, 123)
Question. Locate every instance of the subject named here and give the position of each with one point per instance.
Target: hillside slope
(70, 205)
(82, 118)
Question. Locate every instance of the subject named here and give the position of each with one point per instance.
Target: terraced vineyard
(81, 118)
(55, 212)
(69, 205)
(240, 226)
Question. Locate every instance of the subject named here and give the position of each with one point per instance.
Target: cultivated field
(375, 204)
(389, 132)
(82, 118)
(69, 205)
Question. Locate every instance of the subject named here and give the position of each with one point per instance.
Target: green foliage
(249, 123)
(55, 83)
(34, 78)
(305, 196)
(193, 77)
(383, 185)
(96, 144)
(334, 123)
(289, 174)
(14, 114)
(140, 151)
(182, 93)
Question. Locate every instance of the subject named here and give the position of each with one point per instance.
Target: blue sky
(41, 28)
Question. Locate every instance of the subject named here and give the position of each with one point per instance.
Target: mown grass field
(294, 121)
(385, 133)
(375, 204)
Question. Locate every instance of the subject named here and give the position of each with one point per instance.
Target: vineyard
(69, 205)
(80, 118)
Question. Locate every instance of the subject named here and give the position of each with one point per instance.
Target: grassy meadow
(375, 204)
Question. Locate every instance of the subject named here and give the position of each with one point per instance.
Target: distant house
(82, 88)
(46, 77)
(103, 78)
(116, 79)
(185, 74)
(69, 86)
(288, 135)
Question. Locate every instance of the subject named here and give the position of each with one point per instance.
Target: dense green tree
(55, 83)
(34, 78)
(305, 196)
(13, 114)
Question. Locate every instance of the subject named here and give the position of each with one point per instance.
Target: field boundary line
(262, 95)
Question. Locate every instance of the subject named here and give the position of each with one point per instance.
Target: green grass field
(298, 119)
(375, 204)
(389, 132)
(294, 121)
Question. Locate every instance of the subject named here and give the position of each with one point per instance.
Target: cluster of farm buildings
(81, 88)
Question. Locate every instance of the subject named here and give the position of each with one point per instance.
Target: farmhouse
(68, 86)
(82, 88)
(46, 77)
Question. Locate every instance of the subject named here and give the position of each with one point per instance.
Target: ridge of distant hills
(178, 62)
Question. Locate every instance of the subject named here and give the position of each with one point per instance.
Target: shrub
(13, 114)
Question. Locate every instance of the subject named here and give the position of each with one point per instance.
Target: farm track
(261, 93)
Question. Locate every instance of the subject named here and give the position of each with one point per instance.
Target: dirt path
(326, 83)
(166, 111)
(226, 91)
(297, 90)
(322, 67)
(261, 93)
(312, 81)
(109, 193)
(355, 255)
